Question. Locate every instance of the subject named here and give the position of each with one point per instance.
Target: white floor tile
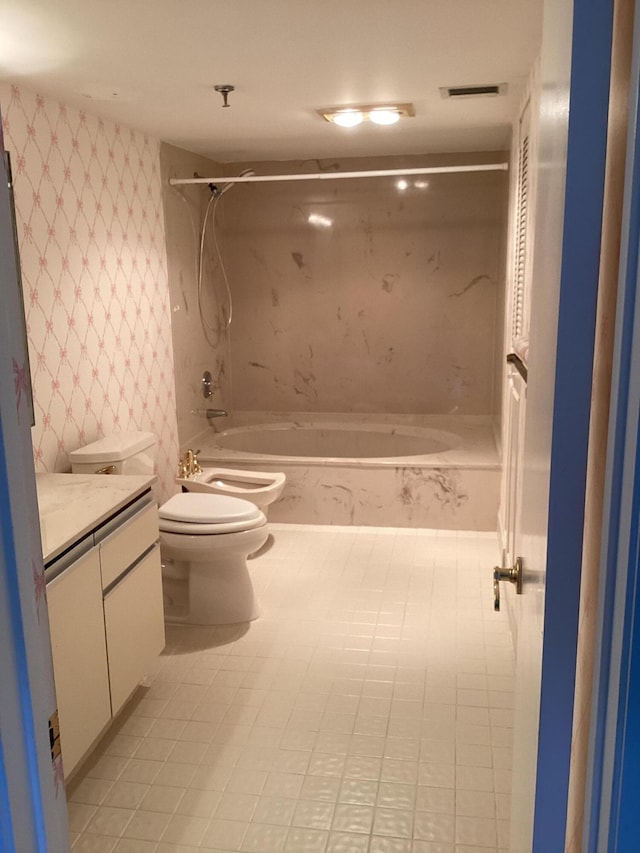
(369, 708)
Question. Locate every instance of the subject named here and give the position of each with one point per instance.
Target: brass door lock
(513, 575)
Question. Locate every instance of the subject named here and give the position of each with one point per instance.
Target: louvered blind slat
(517, 302)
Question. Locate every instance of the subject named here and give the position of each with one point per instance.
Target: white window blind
(520, 255)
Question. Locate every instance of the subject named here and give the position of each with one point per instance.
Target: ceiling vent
(473, 91)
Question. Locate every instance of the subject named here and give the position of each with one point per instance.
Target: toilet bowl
(259, 487)
(205, 539)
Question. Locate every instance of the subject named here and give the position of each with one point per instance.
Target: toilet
(205, 538)
(259, 487)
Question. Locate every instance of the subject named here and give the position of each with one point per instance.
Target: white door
(574, 72)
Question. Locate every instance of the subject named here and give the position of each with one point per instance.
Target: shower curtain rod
(331, 176)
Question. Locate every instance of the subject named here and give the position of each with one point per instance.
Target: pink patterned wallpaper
(92, 245)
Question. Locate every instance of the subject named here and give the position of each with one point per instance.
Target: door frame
(611, 817)
(574, 108)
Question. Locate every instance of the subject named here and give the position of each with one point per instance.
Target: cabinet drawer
(123, 547)
(79, 653)
(134, 626)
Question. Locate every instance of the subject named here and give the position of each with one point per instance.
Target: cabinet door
(134, 621)
(78, 647)
(128, 540)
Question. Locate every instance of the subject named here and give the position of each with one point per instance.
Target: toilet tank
(118, 453)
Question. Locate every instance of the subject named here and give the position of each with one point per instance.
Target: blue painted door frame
(612, 819)
(581, 237)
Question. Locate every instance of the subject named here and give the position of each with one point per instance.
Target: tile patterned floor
(368, 709)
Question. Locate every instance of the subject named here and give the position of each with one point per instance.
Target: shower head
(220, 192)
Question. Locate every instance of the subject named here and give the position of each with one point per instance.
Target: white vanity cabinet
(134, 627)
(104, 597)
(133, 609)
(79, 651)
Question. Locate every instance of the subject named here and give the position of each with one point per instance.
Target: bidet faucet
(189, 465)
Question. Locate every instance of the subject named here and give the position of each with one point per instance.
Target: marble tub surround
(399, 496)
(387, 301)
(455, 489)
(70, 505)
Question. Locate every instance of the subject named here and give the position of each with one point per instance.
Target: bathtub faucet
(210, 413)
(189, 465)
(215, 413)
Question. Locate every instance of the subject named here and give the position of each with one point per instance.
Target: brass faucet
(189, 465)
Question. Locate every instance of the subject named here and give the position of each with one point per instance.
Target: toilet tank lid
(205, 508)
(114, 447)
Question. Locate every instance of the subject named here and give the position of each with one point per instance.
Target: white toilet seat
(210, 529)
(206, 514)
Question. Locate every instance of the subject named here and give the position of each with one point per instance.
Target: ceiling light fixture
(348, 118)
(383, 114)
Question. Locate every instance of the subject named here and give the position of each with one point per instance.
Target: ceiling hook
(224, 89)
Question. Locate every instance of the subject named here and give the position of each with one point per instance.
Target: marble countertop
(72, 505)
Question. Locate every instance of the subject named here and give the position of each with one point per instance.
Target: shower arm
(332, 176)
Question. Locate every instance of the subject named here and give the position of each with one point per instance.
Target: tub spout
(210, 414)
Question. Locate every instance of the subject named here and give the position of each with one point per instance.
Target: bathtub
(323, 443)
(400, 471)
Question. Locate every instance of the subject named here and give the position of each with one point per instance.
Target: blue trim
(584, 194)
(620, 816)
(20, 654)
(615, 519)
(624, 824)
(7, 843)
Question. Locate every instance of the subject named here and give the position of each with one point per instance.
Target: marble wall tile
(358, 296)
(92, 249)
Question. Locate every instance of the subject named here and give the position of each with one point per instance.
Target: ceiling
(152, 65)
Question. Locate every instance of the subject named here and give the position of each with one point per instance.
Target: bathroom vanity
(104, 597)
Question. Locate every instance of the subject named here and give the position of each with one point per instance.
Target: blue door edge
(584, 196)
(619, 555)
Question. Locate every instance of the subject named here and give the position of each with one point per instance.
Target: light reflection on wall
(319, 220)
